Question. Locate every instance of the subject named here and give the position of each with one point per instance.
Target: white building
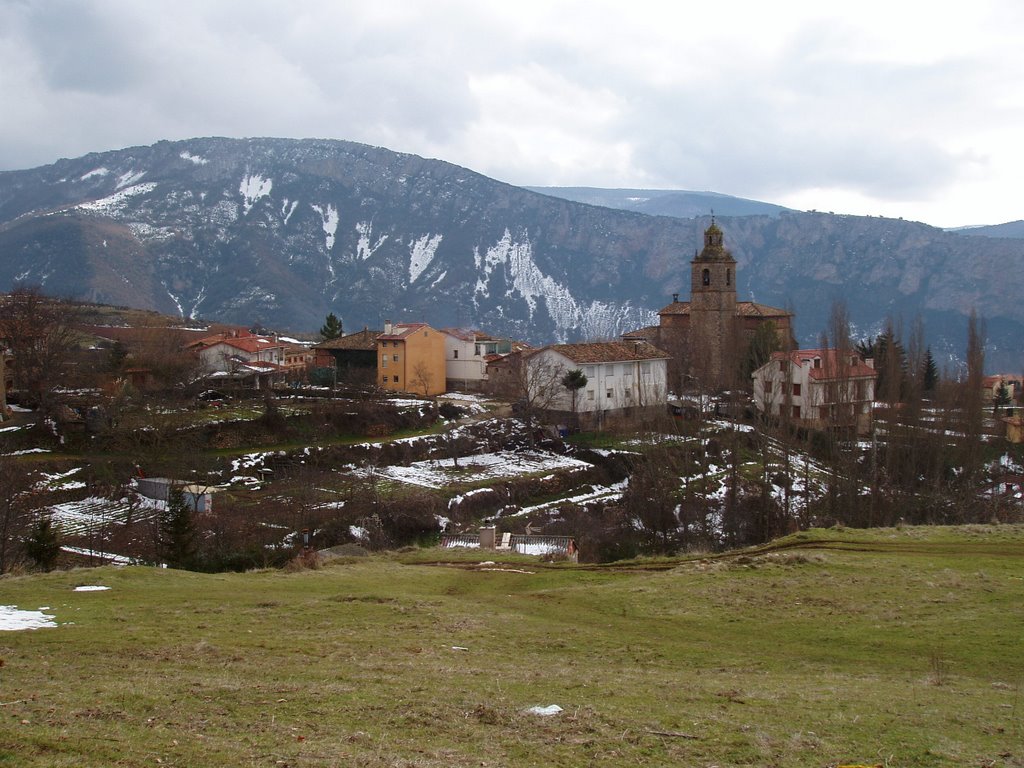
(466, 354)
(620, 375)
(818, 388)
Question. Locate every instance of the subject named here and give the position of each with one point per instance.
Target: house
(245, 359)
(818, 388)
(353, 357)
(1014, 429)
(298, 358)
(410, 358)
(621, 376)
(466, 353)
(991, 386)
(709, 335)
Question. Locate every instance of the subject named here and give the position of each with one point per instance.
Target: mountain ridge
(282, 231)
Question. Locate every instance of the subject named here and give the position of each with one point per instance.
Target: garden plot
(483, 467)
(93, 514)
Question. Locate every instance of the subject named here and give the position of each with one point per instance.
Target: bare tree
(38, 331)
(16, 510)
(422, 377)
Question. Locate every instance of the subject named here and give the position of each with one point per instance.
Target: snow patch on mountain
(288, 208)
(95, 173)
(196, 159)
(364, 249)
(129, 178)
(114, 203)
(524, 278)
(224, 214)
(252, 189)
(143, 231)
(421, 253)
(329, 217)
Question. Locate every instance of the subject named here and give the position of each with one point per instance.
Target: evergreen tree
(331, 328)
(574, 381)
(177, 531)
(930, 374)
(1002, 397)
(891, 364)
(43, 543)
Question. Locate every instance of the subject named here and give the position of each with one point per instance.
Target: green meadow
(893, 647)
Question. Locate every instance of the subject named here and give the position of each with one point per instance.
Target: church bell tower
(713, 311)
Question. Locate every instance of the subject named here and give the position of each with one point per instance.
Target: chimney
(675, 298)
(387, 328)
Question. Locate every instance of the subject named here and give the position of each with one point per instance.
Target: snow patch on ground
(421, 253)
(252, 189)
(437, 473)
(91, 588)
(12, 619)
(196, 159)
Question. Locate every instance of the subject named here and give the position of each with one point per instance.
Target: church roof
(743, 309)
(753, 309)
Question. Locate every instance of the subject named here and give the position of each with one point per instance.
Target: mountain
(1009, 229)
(665, 202)
(281, 232)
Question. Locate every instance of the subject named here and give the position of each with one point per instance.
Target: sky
(899, 108)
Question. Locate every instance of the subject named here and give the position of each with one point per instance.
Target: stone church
(709, 335)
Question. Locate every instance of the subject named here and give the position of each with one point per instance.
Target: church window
(705, 277)
(728, 277)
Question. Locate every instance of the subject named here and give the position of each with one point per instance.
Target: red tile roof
(360, 340)
(401, 331)
(830, 368)
(609, 351)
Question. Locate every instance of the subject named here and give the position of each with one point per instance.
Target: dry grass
(813, 657)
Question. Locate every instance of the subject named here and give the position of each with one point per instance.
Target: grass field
(888, 647)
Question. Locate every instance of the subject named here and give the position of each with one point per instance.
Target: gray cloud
(889, 109)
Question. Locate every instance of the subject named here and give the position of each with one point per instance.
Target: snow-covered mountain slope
(281, 232)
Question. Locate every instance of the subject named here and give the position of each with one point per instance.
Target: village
(223, 447)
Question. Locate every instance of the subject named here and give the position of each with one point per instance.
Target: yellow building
(410, 358)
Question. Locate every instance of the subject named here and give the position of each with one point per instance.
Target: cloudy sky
(896, 108)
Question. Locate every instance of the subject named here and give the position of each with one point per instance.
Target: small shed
(199, 498)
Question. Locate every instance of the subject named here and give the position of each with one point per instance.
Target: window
(629, 394)
(384, 361)
(455, 354)
(705, 277)
(396, 379)
(796, 411)
(385, 378)
(589, 372)
(796, 390)
(768, 386)
(590, 394)
(395, 358)
(817, 362)
(645, 369)
(608, 394)
(728, 277)
(609, 370)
